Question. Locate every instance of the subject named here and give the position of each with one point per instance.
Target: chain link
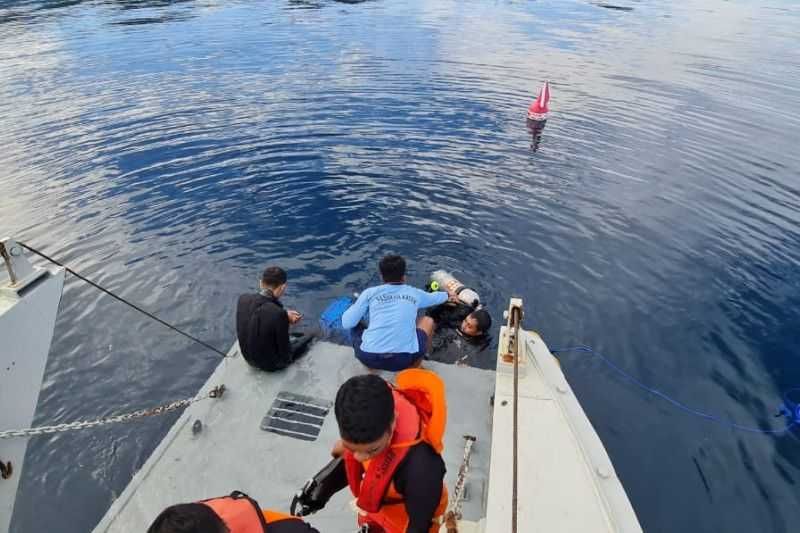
(453, 515)
(463, 472)
(216, 392)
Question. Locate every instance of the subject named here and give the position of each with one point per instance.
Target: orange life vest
(420, 416)
(242, 514)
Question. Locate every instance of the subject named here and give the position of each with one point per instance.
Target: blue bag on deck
(331, 319)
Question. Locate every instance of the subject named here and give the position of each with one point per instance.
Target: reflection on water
(535, 128)
(170, 150)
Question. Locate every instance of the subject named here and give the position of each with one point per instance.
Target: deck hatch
(297, 416)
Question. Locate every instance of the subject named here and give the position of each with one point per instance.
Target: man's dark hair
(483, 318)
(364, 409)
(393, 268)
(188, 518)
(273, 277)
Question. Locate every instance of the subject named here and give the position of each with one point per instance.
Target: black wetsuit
(262, 326)
(449, 345)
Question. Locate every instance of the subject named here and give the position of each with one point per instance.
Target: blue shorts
(394, 362)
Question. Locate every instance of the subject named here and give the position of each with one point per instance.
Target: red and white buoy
(538, 109)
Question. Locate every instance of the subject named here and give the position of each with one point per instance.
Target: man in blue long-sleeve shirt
(395, 339)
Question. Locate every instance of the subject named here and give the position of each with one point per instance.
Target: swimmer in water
(462, 333)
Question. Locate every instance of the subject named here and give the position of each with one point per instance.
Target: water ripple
(170, 150)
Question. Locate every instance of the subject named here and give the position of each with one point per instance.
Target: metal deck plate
(297, 416)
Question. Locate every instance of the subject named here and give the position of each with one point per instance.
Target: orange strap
(274, 516)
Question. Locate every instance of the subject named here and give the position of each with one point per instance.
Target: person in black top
(262, 325)
(461, 335)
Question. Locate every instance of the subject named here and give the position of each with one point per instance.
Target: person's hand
(338, 449)
(294, 316)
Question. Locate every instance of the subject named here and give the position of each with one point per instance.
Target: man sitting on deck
(262, 325)
(236, 513)
(389, 452)
(395, 339)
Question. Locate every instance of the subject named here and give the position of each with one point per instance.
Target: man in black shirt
(262, 325)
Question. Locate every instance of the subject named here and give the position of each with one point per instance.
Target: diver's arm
(356, 311)
(429, 299)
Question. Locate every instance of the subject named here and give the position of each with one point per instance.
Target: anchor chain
(216, 392)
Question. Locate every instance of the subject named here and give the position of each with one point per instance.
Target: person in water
(462, 332)
(470, 322)
(390, 452)
(395, 338)
(236, 513)
(262, 325)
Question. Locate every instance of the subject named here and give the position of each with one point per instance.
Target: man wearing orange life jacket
(391, 443)
(236, 513)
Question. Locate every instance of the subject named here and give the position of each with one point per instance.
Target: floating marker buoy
(538, 109)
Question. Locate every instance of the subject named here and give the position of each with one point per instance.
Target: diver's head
(274, 280)
(188, 518)
(476, 323)
(393, 269)
(365, 413)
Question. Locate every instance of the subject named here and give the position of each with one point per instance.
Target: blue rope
(790, 409)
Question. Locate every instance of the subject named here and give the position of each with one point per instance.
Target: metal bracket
(514, 315)
(6, 469)
(7, 260)
(21, 272)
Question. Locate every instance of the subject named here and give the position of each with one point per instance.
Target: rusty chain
(453, 515)
(216, 392)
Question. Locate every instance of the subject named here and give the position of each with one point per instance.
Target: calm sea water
(172, 149)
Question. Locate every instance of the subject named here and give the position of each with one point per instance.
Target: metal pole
(7, 260)
(514, 322)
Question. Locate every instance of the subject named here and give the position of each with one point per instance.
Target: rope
(676, 403)
(516, 312)
(123, 300)
(216, 392)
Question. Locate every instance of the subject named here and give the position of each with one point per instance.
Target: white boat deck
(567, 483)
(233, 453)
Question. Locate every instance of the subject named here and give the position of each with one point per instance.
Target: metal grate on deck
(297, 416)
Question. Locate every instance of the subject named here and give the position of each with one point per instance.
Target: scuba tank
(443, 280)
